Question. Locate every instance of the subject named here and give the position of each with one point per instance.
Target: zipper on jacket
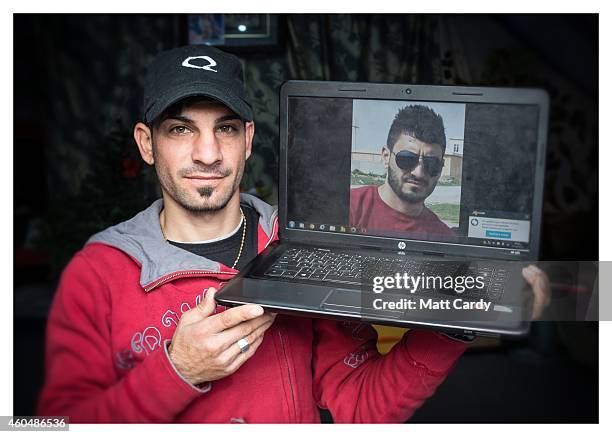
(274, 226)
(288, 375)
(183, 273)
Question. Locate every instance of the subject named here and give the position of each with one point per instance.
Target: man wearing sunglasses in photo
(413, 158)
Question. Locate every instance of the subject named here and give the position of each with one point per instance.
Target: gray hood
(141, 238)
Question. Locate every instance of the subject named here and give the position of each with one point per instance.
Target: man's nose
(419, 170)
(206, 149)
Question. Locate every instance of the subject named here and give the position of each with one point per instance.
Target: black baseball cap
(194, 70)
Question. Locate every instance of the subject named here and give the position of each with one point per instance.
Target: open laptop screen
(456, 173)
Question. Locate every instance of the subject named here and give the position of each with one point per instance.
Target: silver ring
(243, 344)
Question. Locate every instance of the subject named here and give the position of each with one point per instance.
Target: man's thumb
(205, 308)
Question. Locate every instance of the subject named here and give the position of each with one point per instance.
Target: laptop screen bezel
(438, 93)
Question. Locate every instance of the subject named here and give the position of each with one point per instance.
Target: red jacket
(369, 211)
(116, 309)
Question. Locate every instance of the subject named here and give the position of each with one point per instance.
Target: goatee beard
(206, 191)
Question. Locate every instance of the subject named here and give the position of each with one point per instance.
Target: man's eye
(227, 129)
(181, 130)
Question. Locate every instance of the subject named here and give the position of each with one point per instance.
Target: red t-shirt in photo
(369, 211)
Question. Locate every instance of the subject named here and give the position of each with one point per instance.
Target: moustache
(210, 171)
(413, 179)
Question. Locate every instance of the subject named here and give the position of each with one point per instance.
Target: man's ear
(386, 155)
(249, 133)
(144, 140)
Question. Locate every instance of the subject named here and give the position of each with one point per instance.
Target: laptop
(404, 205)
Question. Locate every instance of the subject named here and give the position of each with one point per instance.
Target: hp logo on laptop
(401, 245)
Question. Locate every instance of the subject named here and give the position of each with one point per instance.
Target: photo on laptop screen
(406, 167)
(458, 173)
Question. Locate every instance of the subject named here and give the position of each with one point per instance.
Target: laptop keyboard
(324, 265)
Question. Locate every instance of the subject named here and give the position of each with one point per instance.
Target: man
(413, 158)
(134, 333)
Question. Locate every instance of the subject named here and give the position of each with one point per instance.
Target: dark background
(499, 162)
(77, 94)
(319, 176)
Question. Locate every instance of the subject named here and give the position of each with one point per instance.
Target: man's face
(412, 186)
(199, 155)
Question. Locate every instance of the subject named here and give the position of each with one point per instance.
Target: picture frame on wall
(206, 29)
(233, 30)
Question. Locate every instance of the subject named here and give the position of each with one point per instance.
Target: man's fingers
(203, 310)
(232, 317)
(242, 357)
(244, 330)
(231, 343)
(540, 287)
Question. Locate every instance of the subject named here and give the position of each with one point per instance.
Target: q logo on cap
(211, 63)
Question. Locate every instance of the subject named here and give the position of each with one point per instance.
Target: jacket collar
(141, 238)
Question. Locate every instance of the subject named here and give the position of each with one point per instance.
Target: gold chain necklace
(243, 238)
(244, 229)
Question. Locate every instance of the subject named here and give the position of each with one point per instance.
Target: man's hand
(541, 289)
(204, 345)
